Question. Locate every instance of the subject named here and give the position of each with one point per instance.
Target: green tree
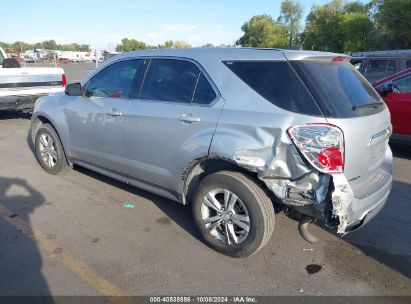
(208, 45)
(321, 30)
(166, 45)
(128, 45)
(49, 45)
(177, 44)
(223, 45)
(263, 31)
(38, 45)
(84, 48)
(181, 44)
(355, 28)
(393, 20)
(339, 27)
(68, 47)
(20, 46)
(290, 16)
(357, 7)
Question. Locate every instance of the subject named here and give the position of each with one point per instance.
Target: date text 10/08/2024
(203, 299)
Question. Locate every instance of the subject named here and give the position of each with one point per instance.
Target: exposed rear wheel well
(207, 166)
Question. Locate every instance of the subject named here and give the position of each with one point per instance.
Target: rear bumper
(19, 102)
(371, 198)
(400, 138)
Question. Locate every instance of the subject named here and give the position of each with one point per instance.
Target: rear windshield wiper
(367, 105)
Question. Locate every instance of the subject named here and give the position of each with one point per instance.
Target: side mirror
(73, 89)
(385, 89)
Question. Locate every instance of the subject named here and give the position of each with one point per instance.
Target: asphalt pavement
(72, 235)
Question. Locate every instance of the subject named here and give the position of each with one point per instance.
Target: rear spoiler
(312, 55)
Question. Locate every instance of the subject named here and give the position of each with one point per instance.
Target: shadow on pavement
(401, 149)
(177, 212)
(20, 260)
(387, 238)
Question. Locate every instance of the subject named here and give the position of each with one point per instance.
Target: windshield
(338, 87)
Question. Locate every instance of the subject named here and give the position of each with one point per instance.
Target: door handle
(114, 113)
(188, 117)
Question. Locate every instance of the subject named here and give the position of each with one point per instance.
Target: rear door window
(338, 87)
(1, 58)
(377, 69)
(390, 68)
(403, 84)
(114, 81)
(170, 80)
(276, 82)
(204, 92)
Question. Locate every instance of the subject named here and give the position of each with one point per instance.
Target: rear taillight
(321, 144)
(63, 80)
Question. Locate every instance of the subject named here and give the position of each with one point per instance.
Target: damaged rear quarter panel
(257, 140)
(260, 144)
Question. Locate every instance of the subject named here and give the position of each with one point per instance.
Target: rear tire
(240, 219)
(49, 150)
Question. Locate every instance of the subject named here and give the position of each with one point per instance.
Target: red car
(396, 92)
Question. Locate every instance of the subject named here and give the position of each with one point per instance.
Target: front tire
(49, 150)
(233, 213)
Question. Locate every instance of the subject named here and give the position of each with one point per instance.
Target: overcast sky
(103, 24)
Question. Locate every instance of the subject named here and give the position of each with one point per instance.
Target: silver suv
(233, 132)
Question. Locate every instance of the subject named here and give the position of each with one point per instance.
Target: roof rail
(382, 53)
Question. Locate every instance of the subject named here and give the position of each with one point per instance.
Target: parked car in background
(396, 92)
(21, 86)
(231, 132)
(377, 67)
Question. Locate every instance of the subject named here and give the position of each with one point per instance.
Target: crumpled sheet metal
(342, 198)
(308, 190)
(285, 173)
(281, 161)
(287, 176)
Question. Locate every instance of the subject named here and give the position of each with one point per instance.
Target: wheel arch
(42, 119)
(206, 166)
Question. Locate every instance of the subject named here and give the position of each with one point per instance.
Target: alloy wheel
(48, 150)
(225, 216)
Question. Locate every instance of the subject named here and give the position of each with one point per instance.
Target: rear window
(378, 69)
(338, 87)
(276, 82)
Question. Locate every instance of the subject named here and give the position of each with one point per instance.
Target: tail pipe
(302, 228)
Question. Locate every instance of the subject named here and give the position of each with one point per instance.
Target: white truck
(20, 87)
